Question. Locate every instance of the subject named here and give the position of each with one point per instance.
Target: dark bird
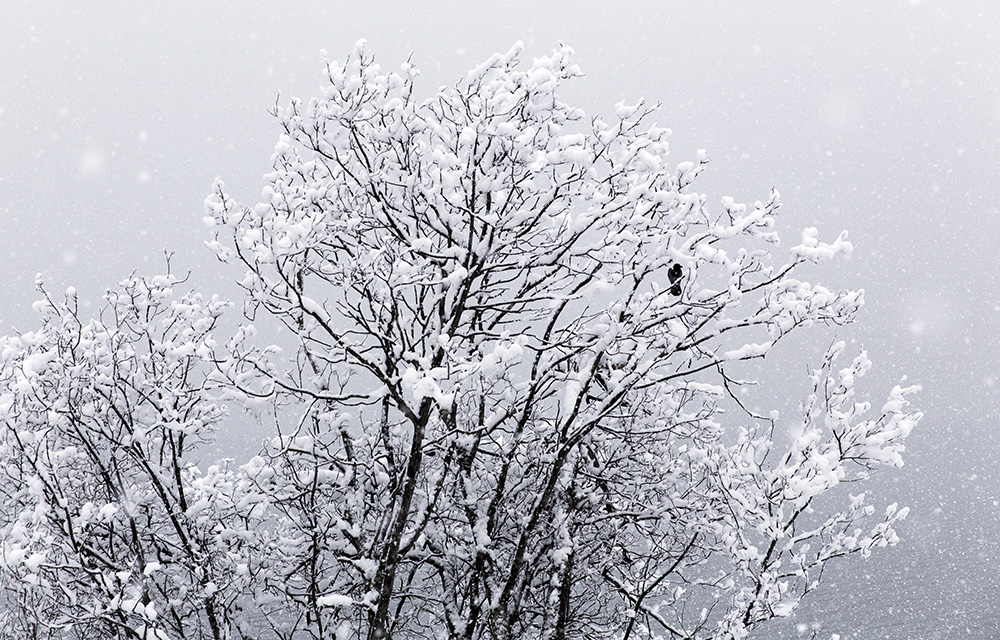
(675, 273)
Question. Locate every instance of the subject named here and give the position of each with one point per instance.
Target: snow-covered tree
(513, 333)
(108, 529)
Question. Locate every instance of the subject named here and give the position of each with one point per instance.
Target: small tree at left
(105, 511)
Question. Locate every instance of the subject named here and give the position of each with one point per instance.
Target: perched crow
(675, 273)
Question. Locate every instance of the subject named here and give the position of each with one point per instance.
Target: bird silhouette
(675, 273)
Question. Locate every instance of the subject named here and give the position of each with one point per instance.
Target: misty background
(882, 118)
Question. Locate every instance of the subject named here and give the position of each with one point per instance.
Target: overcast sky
(879, 117)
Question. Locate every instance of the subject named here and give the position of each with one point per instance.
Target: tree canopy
(502, 405)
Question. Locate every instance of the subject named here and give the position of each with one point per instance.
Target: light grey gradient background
(879, 117)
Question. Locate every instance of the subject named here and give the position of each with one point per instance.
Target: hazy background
(881, 117)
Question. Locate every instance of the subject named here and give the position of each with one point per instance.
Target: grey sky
(879, 117)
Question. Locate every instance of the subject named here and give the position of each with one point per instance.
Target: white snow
(335, 600)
